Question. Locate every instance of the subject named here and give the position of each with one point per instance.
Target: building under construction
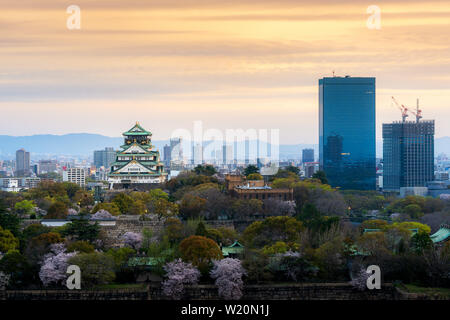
(408, 152)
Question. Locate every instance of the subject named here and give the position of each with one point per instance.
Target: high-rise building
(307, 155)
(104, 158)
(166, 152)
(22, 163)
(347, 131)
(75, 175)
(197, 154)
(227, 154)
(137, 164)
(176, 149)
(408, 154)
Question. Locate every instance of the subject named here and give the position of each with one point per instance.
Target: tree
(255, 176)
(228, 273)
(9, 221)
(244, 208)
(179, 274)
(163, 208)
(96, 268)
(191, 206)
(173, 230)
(54, 267)
(137, 207)
(292, 266)
(413, 210)
(421, 241)
(250, 169)
(123, 202)
(57, 210)
(82, 230)
(200, 251)
(101, 215)
(271, 230)
(201, 230)
(7, 241)
(24, 207)
(132, 240)
(83, 198)
(80, 246)
(359, 281)
(320, 175)
(207, 170)
(16, 266)
(111, 207)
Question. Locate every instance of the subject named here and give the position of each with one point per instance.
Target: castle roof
(137, 130)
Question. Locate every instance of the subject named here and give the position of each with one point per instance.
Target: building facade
(75, 175)
(104, 158)
(22, 163)
(408, 154)
(347, 132)
(307, 155)
(136, 164)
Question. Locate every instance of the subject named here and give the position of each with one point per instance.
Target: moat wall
(334, 291)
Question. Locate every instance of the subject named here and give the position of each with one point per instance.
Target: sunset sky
(229, 63)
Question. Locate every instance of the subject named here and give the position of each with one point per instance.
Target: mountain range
(83, 144)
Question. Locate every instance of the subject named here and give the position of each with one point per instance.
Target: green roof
(442, 234)
(137, 130)
(235, 248)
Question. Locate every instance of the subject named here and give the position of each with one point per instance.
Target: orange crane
(402, 108)
(418, 112)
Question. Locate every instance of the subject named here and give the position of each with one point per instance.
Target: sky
(231, 64)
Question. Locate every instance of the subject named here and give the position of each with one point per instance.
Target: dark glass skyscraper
(408, 154)
(347, 132)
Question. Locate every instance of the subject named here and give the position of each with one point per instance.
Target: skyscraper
(347, 131)
(197, 154)
(104, 158)
(408, 154)
(307, 155)
(22, 162)
(176, 149)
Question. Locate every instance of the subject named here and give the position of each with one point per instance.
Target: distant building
(10, 184)
(167, 155)
(75, 175)
(227, 154)
(311, 168)
(347, 131)
(408, 154)
(176, 149)
(104, 158)
(197, 154)
(307, 155)
(47, 166)
(255, 189)
(441, 176)
(22, 163)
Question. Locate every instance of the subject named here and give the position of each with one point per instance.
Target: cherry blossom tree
(54, 266)
(179, 274)
(359, 281)
(4, 280)
(228, 273)
(132, 239)
(102, 214)
(72, 212)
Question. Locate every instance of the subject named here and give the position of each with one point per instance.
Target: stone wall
(314, 291)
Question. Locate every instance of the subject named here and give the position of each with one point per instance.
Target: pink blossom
(228, 273)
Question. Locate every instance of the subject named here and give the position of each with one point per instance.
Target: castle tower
(137, 164)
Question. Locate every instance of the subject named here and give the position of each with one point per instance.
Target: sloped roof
(442, 234)
(137, 130)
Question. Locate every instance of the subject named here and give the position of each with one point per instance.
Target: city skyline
(224, 64)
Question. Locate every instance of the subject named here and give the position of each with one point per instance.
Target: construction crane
(402, 108)
(418, 112)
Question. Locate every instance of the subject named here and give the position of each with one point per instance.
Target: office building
(307, 155)
(104, 158)
(197, 154)
(75, 175)
(408, 154)
(22, 163)
(347, 131)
